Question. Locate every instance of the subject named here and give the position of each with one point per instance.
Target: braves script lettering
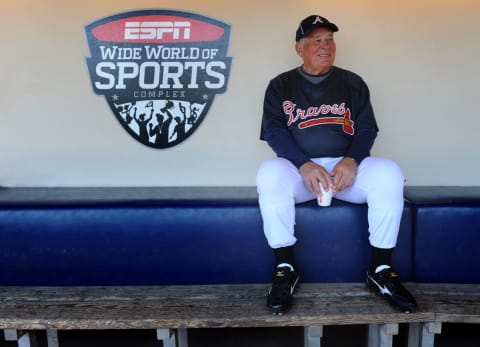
(314, 115)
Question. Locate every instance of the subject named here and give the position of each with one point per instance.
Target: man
(319, 121)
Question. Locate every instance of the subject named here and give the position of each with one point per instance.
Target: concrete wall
(419, 58)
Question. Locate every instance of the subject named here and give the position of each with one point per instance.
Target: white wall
(420, 59)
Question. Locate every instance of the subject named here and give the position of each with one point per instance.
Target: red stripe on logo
(325, 120)
(157, 29)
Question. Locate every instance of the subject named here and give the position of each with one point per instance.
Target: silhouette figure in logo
(180, 126)
(125, 111)
(193, 114)
(142, 124)
(162, 128)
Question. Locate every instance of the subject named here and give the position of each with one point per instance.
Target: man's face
(317, 51)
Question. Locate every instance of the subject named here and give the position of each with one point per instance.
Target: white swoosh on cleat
(383, 289)
(292, 288)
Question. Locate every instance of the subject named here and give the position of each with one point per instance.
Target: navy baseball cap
(313, 22)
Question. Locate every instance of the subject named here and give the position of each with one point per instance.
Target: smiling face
(317, 51)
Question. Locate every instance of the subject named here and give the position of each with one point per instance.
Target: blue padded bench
(173, 259)
(446, 233)
(176, 235)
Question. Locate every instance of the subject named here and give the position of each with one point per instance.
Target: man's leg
(279, 187)
(380, 183)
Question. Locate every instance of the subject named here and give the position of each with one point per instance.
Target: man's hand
(312, 174)
(344, 174)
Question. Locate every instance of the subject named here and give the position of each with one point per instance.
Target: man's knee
(272, 172)
(385, 173)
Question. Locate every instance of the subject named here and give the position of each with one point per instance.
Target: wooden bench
(172, 310)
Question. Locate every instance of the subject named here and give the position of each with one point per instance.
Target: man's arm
(365, 124)
(274, 127)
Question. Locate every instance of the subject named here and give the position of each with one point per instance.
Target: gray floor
(453, 335)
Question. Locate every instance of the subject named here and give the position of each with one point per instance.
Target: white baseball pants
(379, 183)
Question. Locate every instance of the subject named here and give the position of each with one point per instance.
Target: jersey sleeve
(366, 126)
(274, 126)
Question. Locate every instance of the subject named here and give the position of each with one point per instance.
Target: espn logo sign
(159, 71)
(156, 30)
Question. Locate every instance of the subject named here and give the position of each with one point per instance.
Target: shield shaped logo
(159, 71)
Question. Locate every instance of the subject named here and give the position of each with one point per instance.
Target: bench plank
(216, 306)
(451, 302)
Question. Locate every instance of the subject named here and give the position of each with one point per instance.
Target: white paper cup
(326, 198)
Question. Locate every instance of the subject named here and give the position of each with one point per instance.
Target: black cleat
(387, 283)
(280, 294)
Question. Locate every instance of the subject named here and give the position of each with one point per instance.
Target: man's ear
(299, 48)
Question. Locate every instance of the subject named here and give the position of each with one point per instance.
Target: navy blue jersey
(333, 118)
